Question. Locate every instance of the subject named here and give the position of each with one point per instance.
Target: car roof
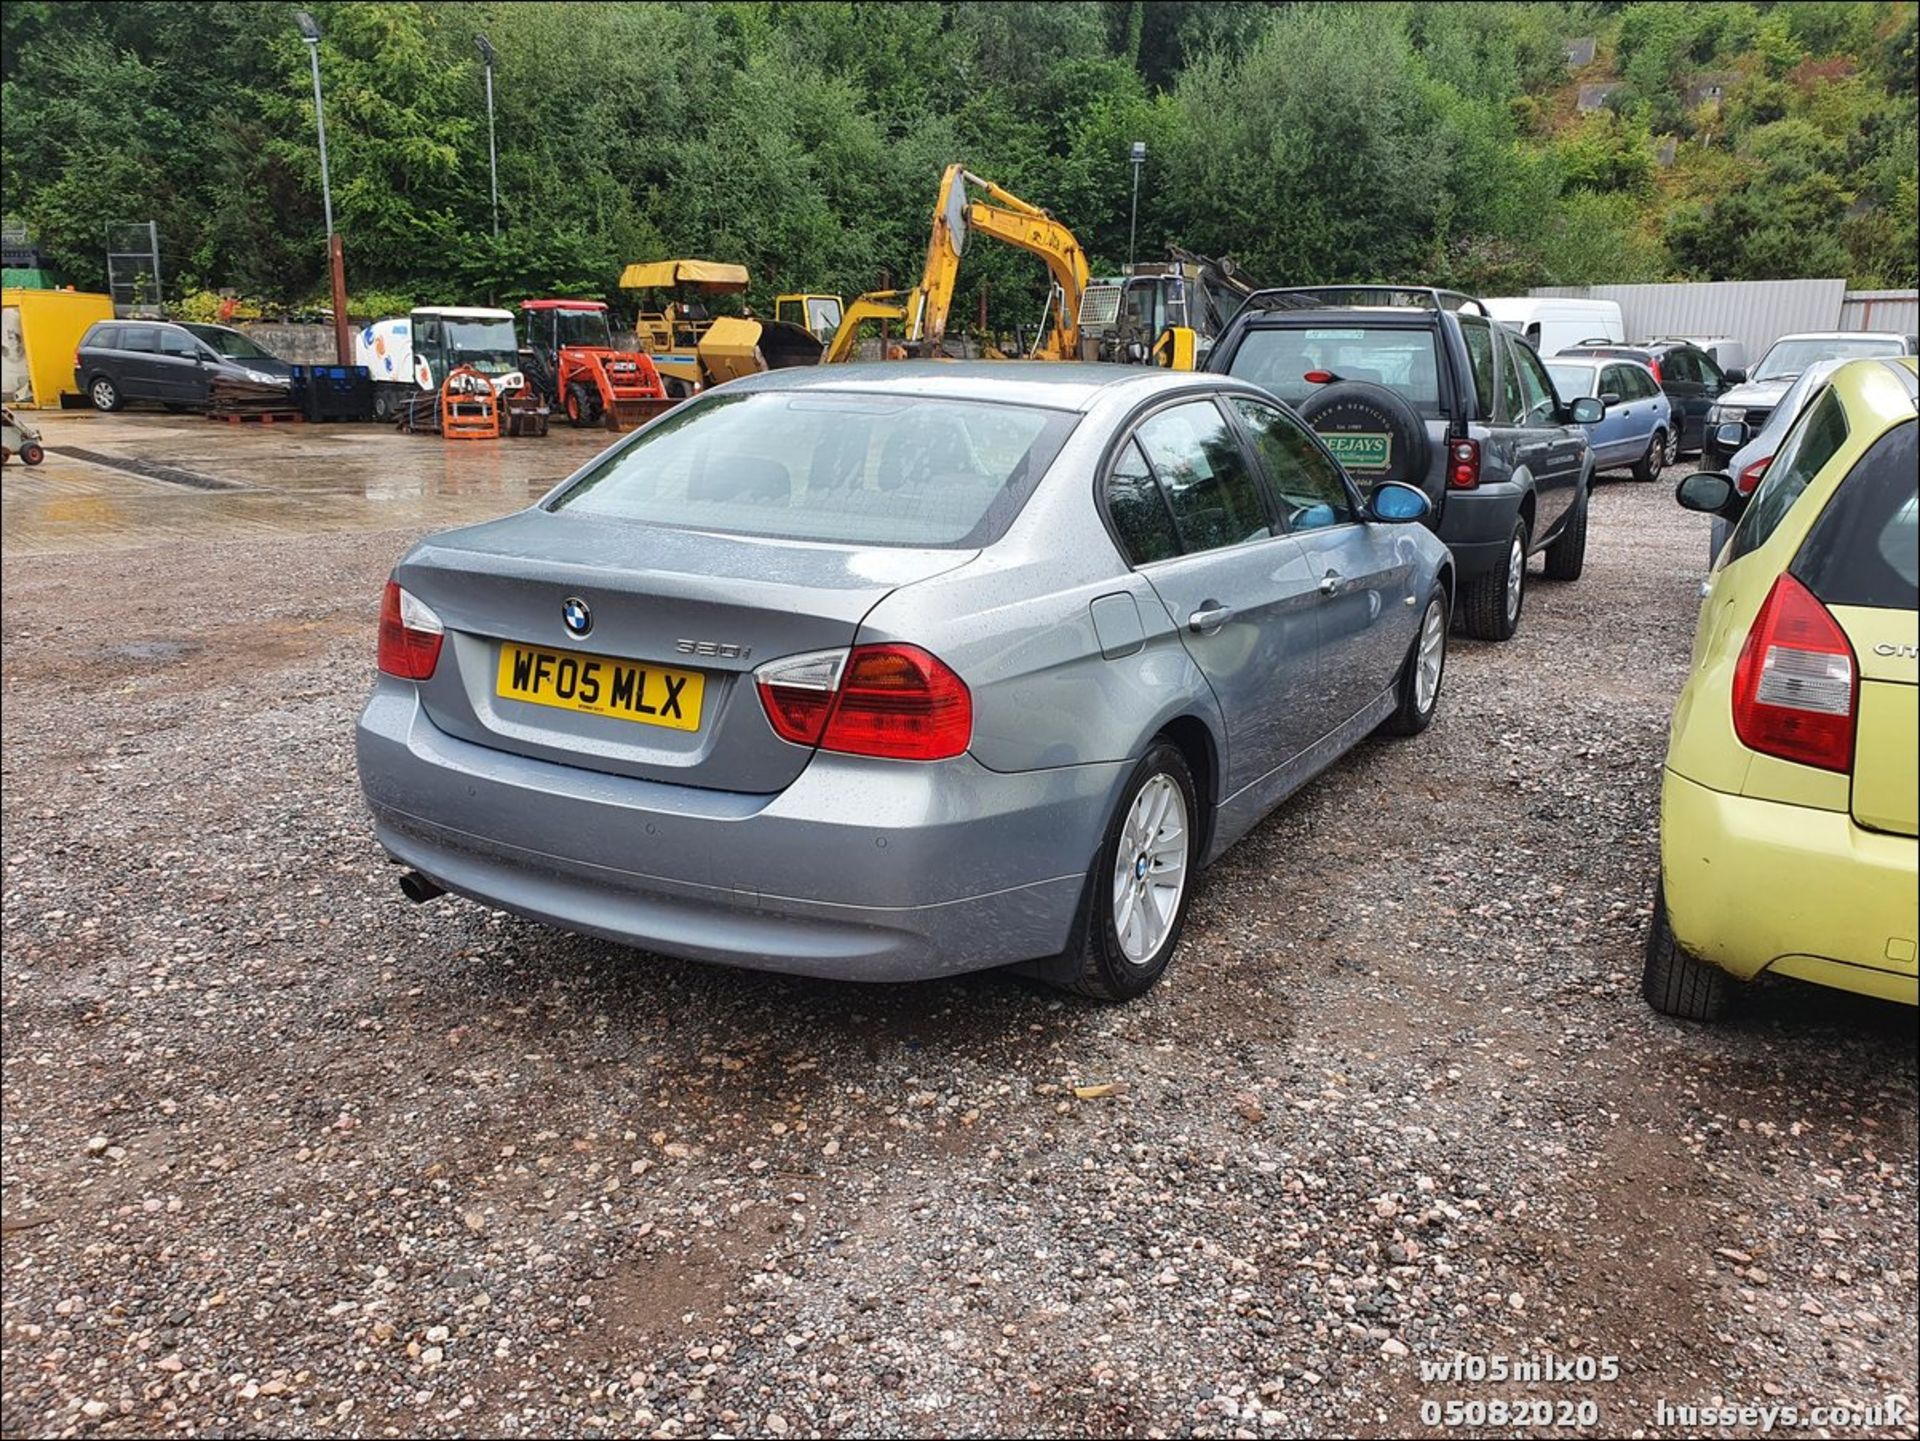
(1842, 335)
(1883, 388)
(464, 312)
(1057, 385)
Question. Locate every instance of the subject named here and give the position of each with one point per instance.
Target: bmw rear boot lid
(629, 648)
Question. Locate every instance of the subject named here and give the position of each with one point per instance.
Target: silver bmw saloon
(889, 672)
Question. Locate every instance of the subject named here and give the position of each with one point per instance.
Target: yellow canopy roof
(665, 274)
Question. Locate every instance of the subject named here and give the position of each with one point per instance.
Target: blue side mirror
(1398, 504)
(1587, 411)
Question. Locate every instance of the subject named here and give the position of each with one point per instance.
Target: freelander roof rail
(1326, 297)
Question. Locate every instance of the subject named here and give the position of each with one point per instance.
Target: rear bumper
(1477, 526)
(860, 870)
(1754, 885)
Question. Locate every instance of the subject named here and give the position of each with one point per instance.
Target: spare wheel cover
(1373, 432)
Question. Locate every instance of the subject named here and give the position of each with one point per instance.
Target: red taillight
(1318, 377)
(1463, 464)
(410, 635)
(1795, 688)
(1750, 476)
(1654, 366)
(894, 701)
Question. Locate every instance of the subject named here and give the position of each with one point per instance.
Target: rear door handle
(1330, 583)
(1211, 616)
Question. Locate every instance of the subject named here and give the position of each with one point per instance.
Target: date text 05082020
(1525, 1411)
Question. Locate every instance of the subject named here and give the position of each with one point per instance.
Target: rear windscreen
(1401, 358)
(1865, 548)
(1571, 380)
(835, 466)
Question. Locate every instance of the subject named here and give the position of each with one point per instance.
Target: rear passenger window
(1679, 365)
(1541, 404)
(142, 338)
(1204, 475)
(1642, 380)
(1479, 337)
(1514, 405)
(1807, 448)
(1865, 548)
(1312, 494)
(1140, 515)
(104, 337)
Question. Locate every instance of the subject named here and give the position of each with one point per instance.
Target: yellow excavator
(957, 215)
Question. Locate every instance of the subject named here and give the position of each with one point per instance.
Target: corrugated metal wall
(1758, 312)
(1896, 310)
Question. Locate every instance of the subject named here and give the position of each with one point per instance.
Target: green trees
(1311, 142)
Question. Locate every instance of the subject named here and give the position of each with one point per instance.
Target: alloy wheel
(103, 395)
(1516, 577)
(1432, 656)
(1150, 869)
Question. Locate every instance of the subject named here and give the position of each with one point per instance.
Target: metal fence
(1897, 310)
(1757, 312)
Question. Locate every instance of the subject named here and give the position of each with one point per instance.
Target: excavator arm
(956, 215)
(874, 305)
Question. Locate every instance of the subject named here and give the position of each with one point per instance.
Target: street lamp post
(493, 164)
(1136, 157)
(336, 255)
(310, 32)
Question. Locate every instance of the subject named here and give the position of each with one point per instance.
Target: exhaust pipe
(418, 889)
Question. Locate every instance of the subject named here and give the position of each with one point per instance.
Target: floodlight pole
(336, 254)
(1136, 157)
(493, 164)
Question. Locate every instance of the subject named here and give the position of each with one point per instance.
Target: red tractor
(570, 359)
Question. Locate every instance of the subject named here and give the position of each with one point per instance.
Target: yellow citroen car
(1787, 810)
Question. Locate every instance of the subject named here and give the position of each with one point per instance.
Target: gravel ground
(284, 1154)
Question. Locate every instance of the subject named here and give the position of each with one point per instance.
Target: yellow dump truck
(693, 348)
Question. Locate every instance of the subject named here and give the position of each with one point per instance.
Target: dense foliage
(1310, 142)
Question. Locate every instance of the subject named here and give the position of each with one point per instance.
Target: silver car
(897, 671)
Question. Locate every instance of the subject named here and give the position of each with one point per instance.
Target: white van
(1553, 323)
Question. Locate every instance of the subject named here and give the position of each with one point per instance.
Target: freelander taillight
(410, 635)
(1463, 463)
(892, 701)
(1796, 688)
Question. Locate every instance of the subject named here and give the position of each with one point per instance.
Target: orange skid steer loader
(570, 358)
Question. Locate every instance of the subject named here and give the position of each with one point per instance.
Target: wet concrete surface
(136, 479)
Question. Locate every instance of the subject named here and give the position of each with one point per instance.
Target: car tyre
(104, 394)
(1490, 604)
(1421, 674)
(1122, 949)
(1649, 466)
(1675, 983)
(1567, 556)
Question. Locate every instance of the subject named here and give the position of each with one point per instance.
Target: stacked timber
(230, 399)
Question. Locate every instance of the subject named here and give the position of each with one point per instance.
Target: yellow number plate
(629, 690)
